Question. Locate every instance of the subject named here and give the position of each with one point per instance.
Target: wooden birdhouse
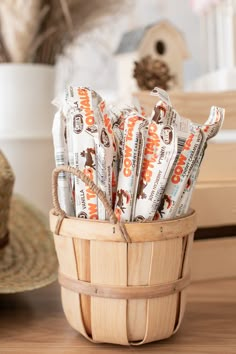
(161, 41)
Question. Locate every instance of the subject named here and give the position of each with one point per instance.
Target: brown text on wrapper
(92, 207)
(181, 161)
(152, 143)
(107, 121)
(85, 104)
(128, 150)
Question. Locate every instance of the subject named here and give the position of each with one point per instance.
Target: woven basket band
(126, 292)
(4, 240)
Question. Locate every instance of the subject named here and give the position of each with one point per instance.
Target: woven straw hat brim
(29, 261)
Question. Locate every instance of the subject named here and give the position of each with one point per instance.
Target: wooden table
(33, 322)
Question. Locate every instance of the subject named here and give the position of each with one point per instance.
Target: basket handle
(88, 182)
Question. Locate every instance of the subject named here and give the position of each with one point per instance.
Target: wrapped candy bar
(61, 158)
(134, 129)
(81, 116)
(159, 155)
(182, 124)
(146, 166)
(105, 153)
(117, 120)
(209, 130)
(92, 140)
(180, 175)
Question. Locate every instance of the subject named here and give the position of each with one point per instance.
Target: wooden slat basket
(122, 283)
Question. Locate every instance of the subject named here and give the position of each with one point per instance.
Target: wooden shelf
(33, 322)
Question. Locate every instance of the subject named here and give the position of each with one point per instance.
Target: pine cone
(152, 72)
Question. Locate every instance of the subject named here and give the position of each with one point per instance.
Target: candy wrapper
(209, 130)
(61, 158)
(118, 117)
(182, 124)
(159, 154)
(82, 123)
(134, 131)
(166, 137)
(146, 166)
(106, 151)
(180, 175)
(69, 130)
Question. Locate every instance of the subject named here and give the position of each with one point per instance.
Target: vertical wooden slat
(184, 250)
(109, 267)
(70, 300)
(139, 258)
(185, 271)
(161, 312)
(82, 252)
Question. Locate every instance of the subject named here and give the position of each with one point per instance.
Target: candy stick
(209, 130)
(180, 175)
(127, 181)
(61, 158)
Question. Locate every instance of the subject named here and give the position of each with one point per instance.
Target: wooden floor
(34, 323)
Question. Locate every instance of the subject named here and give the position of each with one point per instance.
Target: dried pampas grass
(38, 30)
(19, 22)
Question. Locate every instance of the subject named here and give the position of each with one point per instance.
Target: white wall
(92, 62)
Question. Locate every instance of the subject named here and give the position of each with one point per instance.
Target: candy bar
(81, 115)
(117, 121)
(61, 158)
(159, 155)
(134, 127)
(180, 175)
(104, 146)
(146, 166)
(209, 130)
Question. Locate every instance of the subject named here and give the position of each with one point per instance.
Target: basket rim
(104, 230)
(191, 212)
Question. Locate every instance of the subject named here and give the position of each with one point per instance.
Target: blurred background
(91, 60)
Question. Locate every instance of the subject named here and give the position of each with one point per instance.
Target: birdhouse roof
(131, 40)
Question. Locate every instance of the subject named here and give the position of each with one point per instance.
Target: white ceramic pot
(26, 115)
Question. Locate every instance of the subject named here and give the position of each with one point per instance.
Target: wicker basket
(122, 283)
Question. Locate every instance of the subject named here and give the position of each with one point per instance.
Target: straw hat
(27, 256)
